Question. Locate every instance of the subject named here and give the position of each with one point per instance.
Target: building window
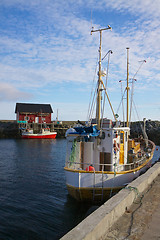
(26, 118)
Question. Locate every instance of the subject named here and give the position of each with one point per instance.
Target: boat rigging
(101, 157)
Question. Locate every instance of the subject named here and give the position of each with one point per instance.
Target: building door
(36, 119)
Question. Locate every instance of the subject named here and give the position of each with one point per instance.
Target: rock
(9, 129)
(152, 130)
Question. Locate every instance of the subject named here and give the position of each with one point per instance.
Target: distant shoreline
(10, 129)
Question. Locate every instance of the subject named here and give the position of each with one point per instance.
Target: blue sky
(47, 54)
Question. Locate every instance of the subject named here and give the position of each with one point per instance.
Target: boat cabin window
(126, 136)
(122, 137)
(103, 135)
(105, 159)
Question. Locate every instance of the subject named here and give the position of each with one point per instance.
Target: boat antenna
(133, 80)
(92, 96)
(98, 110)
(122, 102)
(108, 53)
(127, 88)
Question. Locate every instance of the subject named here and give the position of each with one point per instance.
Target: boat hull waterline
(89, 186)
(39, 136)
(113, 184)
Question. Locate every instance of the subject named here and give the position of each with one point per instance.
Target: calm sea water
(34, 203)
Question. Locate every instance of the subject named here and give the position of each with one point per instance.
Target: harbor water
(34, 203)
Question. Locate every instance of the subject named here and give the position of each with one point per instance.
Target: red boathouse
(33, 113)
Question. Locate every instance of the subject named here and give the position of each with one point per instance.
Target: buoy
(90, 168)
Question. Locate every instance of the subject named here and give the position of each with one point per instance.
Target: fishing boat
(44, 133)
(41, 131)
(101, 157)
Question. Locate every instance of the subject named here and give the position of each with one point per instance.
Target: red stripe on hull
(52, 136)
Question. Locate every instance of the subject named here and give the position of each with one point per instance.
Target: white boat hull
(96, 186)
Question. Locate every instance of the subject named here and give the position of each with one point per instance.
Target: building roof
(33, 108)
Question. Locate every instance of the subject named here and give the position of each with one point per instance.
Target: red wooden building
(33, 113)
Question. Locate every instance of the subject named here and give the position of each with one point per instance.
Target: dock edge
(96, 224)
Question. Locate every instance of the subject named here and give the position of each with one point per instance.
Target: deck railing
(110, 167)
(114, 167)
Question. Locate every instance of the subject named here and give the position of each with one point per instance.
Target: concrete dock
(142, 219)
(133, 213)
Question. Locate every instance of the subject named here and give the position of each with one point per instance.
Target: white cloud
(70, 111)
(143, 8)
(10, 93)
(53, 45)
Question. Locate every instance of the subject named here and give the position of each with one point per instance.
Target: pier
(130, 214)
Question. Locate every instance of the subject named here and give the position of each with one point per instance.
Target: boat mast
(98, 110)
(127, 88)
